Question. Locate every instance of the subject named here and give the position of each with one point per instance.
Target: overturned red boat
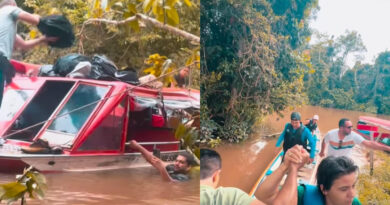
(87, 123)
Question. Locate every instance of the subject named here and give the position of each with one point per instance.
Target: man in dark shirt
(182, 77)
(312, 124)
(178, 171)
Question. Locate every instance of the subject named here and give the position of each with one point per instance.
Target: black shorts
(7, 72)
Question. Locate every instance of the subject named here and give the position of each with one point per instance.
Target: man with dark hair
(296, 133)
(268, 192)
(342, 140)
(181, 79)
(178, 171)
(9, 16)
(336, 180)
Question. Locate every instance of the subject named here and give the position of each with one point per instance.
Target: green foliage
(189, 136)
(250, 63)
(31, 182)
(375, 189)
(333, 84)
(128, 45)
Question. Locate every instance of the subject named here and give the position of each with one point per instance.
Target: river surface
(126, 186)
(243, 163)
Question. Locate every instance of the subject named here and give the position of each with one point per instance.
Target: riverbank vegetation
(252, 64)
(258, 59)
(333, 84)
(375, 189)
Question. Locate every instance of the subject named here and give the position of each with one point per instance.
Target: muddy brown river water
(243, 163)
(126, 186)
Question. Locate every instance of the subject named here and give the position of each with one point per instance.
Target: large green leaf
(12, 191)
(148, 5)
(188, 3)
(173, 16)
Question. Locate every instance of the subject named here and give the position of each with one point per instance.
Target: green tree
(124, 30)
(250, 63)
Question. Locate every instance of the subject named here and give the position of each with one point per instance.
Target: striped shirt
(341, 148)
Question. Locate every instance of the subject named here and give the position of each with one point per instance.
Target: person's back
(223, 195)
(8, 19)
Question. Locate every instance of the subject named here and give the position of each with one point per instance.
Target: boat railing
(155, 143)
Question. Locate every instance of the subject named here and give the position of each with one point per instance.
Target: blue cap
(295, 116)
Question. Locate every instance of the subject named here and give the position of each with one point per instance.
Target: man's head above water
(183, 163)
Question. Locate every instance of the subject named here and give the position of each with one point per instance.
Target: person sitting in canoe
(336, 180)
(178, 171)
(268, 192)
(296, 133)
(342, 140)
(311, 124)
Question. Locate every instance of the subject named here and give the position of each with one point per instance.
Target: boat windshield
(12, 102)
(74, 114)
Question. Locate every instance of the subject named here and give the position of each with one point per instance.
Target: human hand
(133, 144)
(293, 155)
(321, 154)
(311, 160)
(33, 72)
(49, 39)
(301, 157)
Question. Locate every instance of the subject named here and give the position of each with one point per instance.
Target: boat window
(74, 114)
(39, 110)
(12, 102)
(108, 136)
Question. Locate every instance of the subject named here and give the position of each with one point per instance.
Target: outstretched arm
(281, 137)
(268, 191)
(375, 145)
(323, 147)
(312, 143)
(154, 161)
(32, 19)
(25, 45)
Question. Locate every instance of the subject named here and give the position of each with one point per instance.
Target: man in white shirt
(342, 140)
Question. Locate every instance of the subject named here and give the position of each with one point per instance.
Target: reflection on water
(243, 163)
(126, 186)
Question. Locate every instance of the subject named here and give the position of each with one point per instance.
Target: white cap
(315, 117)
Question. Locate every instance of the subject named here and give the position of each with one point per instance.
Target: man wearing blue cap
(296, 133)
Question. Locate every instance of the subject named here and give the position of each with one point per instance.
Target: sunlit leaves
(12, 191)
(165, 10)
(160, 65)
(30, 182)
(194, 59)
(188, 135)
(97, 11)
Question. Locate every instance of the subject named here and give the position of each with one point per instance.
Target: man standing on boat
(9, 15)
(296, 133)
(178, 171)
(268, 192)
(312, 124)
(342, 140)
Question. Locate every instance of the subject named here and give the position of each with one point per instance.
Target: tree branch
(149, 20)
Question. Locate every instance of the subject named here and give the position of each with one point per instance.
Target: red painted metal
(367, 127)
(376, 121)
(119, 92)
